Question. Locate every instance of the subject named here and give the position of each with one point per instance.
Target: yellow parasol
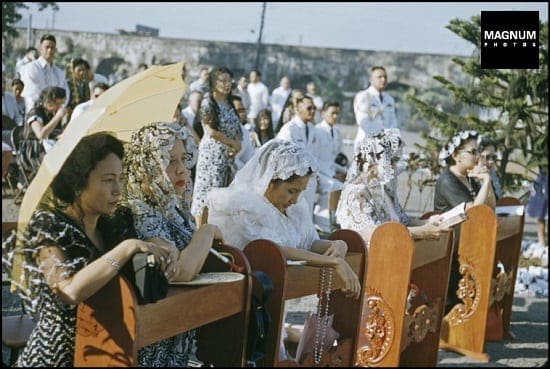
(149, 96)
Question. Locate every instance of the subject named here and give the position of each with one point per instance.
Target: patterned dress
(174, 351)
(51, 343)
(215, 168)
(362, 207)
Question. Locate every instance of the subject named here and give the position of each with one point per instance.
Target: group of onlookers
(235, 165)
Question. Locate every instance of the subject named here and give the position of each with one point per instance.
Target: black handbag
(341, 159)
(149, 281)
(259, 318)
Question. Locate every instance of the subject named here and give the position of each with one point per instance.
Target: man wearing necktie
(301, 131)
(331, 175)
(374, 109)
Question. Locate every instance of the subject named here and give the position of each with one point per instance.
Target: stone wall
(343, 71)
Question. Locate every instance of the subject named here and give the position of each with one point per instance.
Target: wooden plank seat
(391, 334)
(290, 281)
(112, 326)
(486, 241)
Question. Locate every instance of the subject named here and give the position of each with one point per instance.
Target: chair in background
(16, 329)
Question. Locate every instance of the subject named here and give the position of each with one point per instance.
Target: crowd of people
(236, 164)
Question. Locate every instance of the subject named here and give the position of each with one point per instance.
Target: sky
(387, 26)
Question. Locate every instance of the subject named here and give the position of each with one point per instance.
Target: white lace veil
(276, 159)
(382, 150)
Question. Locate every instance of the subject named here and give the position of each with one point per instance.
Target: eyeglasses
(492, 157)
(225, 81)
(473, 152)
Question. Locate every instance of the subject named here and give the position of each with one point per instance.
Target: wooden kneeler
(486, 240)
(112, 326)
(463, 328)
(390, 334)
(291, 282)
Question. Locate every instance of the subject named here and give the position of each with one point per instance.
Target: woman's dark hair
(486, 142)
(291, 178)
(73, 176)
(264, 135)
(450, 160)
(17, 81)
(288, 102)
(79, 61)
(50, 94)
(212, 77)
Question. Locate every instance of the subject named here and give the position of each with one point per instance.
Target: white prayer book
(511, 210)
(454, 216)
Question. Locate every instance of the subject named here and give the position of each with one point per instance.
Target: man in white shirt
(43, 73)
(259, 95)
(374, 109)
(242, 91)
(301, 131)
(190, 112)
(278, 99)
(98, 89)
(328, 147)
(201, 84)
(311, 90)
(247, 148)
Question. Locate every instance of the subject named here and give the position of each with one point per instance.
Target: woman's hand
(161, 253)
(480, 172)
(337, 248)
(429, 231)
(352, 286)
(235, 146)
(171, 265)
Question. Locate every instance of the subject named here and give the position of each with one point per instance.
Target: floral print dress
(51, 343)
(215, 167)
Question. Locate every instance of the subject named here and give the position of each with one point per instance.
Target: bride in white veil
(369, 197)
(265, 201)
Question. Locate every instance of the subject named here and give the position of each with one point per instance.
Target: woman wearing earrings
(157, 169)
(72, 247)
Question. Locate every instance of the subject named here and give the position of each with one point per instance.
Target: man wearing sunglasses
(488, 157)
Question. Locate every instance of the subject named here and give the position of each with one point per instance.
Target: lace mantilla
(276, 159)
(145, 161)
(378, 154)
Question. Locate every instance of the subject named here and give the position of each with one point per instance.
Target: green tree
(11, 14)
(508, 105)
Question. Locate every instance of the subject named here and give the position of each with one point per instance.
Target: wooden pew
(390, 334)
(509, 237)
(111, 326)
(291, 282)
(485, 241)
